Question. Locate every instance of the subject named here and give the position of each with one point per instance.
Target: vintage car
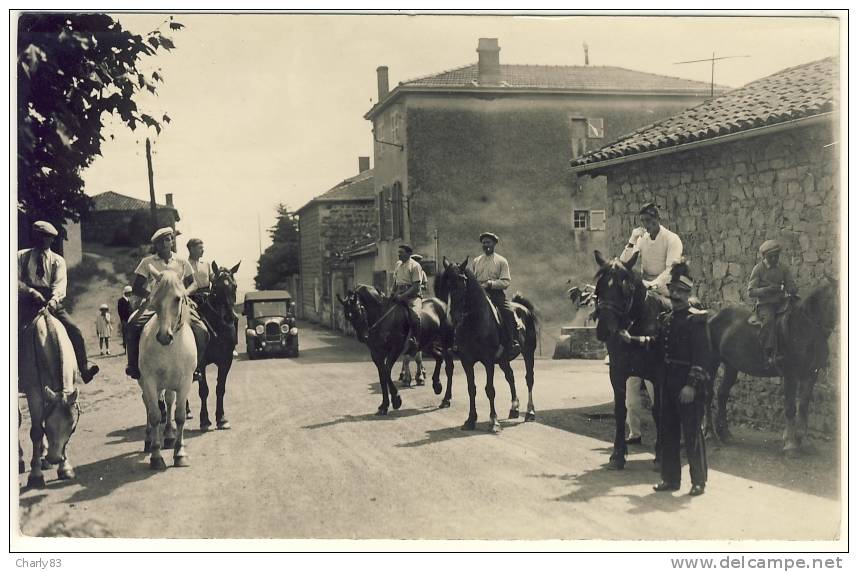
(271, 328)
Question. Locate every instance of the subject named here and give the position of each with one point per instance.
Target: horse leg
(405, 374)
(494, 424)
(510, 378)
(436, 376)
(804, 398)
(722, 428)
(448, 367)
(180, 456)
(203, 391)
(419, 371)
(471, 421)
(790, 440)
(618, 384)
(169, 426)
(153, 429)
(36, 480)
(22, 466)
(382, 381)
(395, 400)
(708, 421)
(220, 392)
(65, 471)
(529, 355)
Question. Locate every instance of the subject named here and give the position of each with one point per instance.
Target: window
(379, 135)
(394, 130)
(580, 219)
(384, 223)
(397, 211)
(595, 128)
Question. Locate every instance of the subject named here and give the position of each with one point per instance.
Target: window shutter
(595, 128)
(397, 210)
(597, 220)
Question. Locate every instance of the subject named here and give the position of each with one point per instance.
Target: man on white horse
(144, 283)
(42, 281)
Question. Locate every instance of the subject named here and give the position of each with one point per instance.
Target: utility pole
(259, 232)
(152, 208)
(712, 59)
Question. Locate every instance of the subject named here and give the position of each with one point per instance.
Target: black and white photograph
(428, 278)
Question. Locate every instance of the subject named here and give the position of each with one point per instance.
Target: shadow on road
(451, 433)
(101, 478)
(755, 455)
(393, 415)
(332, 354)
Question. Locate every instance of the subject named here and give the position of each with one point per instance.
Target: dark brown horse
(217, 310)
(804, 340)
(382, 325)
(478, 337)
(622, 302)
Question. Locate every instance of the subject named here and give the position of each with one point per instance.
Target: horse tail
(519, 299)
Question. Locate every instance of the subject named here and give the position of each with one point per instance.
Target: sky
(268, 109)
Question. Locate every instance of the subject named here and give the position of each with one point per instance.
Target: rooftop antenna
(712, 59)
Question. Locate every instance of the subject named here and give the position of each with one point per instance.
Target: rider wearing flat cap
(769, 285)
(144, 283)
(492, 272)
(42, 281)
(407, 282)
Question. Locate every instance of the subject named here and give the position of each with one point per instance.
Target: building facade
(757, 163)
(119, 220)
(487, 147)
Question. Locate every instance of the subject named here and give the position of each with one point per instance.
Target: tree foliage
(279, 260)
(72, 69)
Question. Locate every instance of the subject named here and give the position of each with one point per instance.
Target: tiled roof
(790, 94)
(577, 78)
(357, 188)
(111, 201)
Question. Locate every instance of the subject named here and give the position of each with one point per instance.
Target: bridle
(623, 313)
(224, 280)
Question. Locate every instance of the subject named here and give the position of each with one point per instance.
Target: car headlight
(284, 328)
(250, 332)
(260, 329)
(294, 331)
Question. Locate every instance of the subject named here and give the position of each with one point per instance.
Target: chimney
(489, 61)
(586, 54)
(169, 198)
(383, 88)
(363, 164)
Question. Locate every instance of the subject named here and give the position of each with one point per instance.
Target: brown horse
(383, 326)
(804, 339)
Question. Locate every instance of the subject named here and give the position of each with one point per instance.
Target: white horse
(47, 373)
(168, 356)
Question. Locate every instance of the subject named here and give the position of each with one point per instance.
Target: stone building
(124, 221)
(486, 147)
(756, 163)
(327, 226)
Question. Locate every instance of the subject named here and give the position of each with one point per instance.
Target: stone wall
(724, 201)
(123, 228)
(311, 261)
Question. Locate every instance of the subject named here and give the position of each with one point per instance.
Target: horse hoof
(45, 464)
(157, 464)
(531, 416)
(22, 467)
(444, 404)
(495, 428)
(436, 387)
(382, 411)
(469, 425)
(169, 442)
(66, 475)
(147, 447)
(397, 402)
(206, 426)
(36, 482)
(181, 462)
(420, 382)
(224, 425)
(513, 413)
(616, 464)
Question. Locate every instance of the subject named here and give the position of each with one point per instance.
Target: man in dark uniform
(686, 349)
(124, 309)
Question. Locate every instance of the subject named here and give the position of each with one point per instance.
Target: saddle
(781, 314)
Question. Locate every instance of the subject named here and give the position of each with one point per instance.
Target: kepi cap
(406, 247)
(490, 235)
(161, 232)
(649, 209)
(127, 290)
(44, 227)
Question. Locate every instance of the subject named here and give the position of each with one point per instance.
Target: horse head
(617, 290)
(223, 291)
(454, 279)
(59, 417)
(355, 312)
(170, 304)
(822, 305)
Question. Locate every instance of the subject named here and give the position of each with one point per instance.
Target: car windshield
(270, 308)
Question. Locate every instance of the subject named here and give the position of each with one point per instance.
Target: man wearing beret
(659, 250)
(686, 353)
(492, 272)
(144, 284)
(407, 282)
(42, 281)
(769, 285)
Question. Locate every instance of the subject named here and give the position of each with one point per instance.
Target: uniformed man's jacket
(685, 347)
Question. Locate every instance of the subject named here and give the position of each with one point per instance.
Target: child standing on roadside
(104, 329)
